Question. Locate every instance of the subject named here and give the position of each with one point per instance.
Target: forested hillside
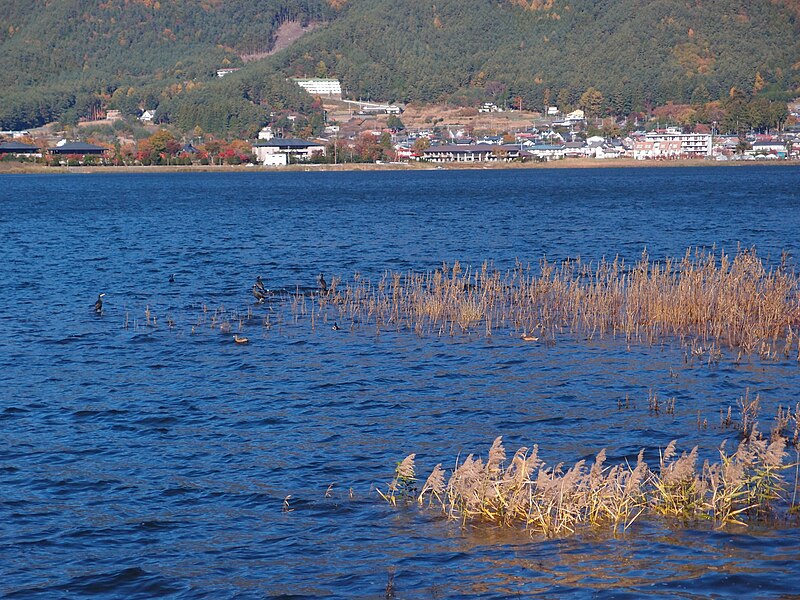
(66, 59)
(70, 58)
(636, 52)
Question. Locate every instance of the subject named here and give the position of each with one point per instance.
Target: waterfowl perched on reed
(98, 305)
(258, 294)
(323, 285)
(260, 284)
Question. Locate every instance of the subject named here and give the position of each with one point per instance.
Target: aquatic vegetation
(748, 484)
(402, 486)
(706, 300)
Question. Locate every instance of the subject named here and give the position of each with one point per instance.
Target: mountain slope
(73, 54)
(644, 51)
(68, 58)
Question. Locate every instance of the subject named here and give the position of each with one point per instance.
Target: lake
(160, 459)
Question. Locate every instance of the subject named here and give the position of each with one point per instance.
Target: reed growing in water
(706, 300)
(553, 500)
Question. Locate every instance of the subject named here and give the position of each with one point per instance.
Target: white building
(772, 148)
(576, 116)
(380, 109)
(15, 134)
(472, 153)
(672, 143)
(489, 107)
(320, 87)
(547, 151)
(280, 151)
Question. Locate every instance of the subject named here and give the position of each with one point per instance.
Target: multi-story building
(282, 151)
(320, 87)
(672, 143)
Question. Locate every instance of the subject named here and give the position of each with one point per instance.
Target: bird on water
(258, 294)
(172, 278)
(323, 285)
(98, 306)
(335, 326)
(260, 284)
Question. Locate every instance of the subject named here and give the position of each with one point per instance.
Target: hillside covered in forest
(63, 60)
(73, 58)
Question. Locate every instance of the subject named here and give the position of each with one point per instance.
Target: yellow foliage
(534, 5)
(759, 83)
(693, 58)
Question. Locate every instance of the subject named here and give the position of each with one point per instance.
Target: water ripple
(166, 461)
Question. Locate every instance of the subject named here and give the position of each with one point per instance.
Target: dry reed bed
(747, 484)
(706, 300)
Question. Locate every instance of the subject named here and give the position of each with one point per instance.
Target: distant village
(380, 136)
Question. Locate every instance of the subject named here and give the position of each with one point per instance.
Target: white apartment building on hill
(320, 87)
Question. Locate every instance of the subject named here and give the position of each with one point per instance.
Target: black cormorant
(323, 285)
(258, 294)
(98, 306)
(260, 284)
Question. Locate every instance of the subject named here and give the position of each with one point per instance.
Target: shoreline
(567, 163)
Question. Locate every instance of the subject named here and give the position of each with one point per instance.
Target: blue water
(156, 461)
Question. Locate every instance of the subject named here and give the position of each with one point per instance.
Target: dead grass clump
(553, 500)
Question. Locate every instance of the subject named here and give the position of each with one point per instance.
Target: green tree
(700, 95)
(420, 145)
(564, 100)
(163, 142)
(394, 123)
(592, 102)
